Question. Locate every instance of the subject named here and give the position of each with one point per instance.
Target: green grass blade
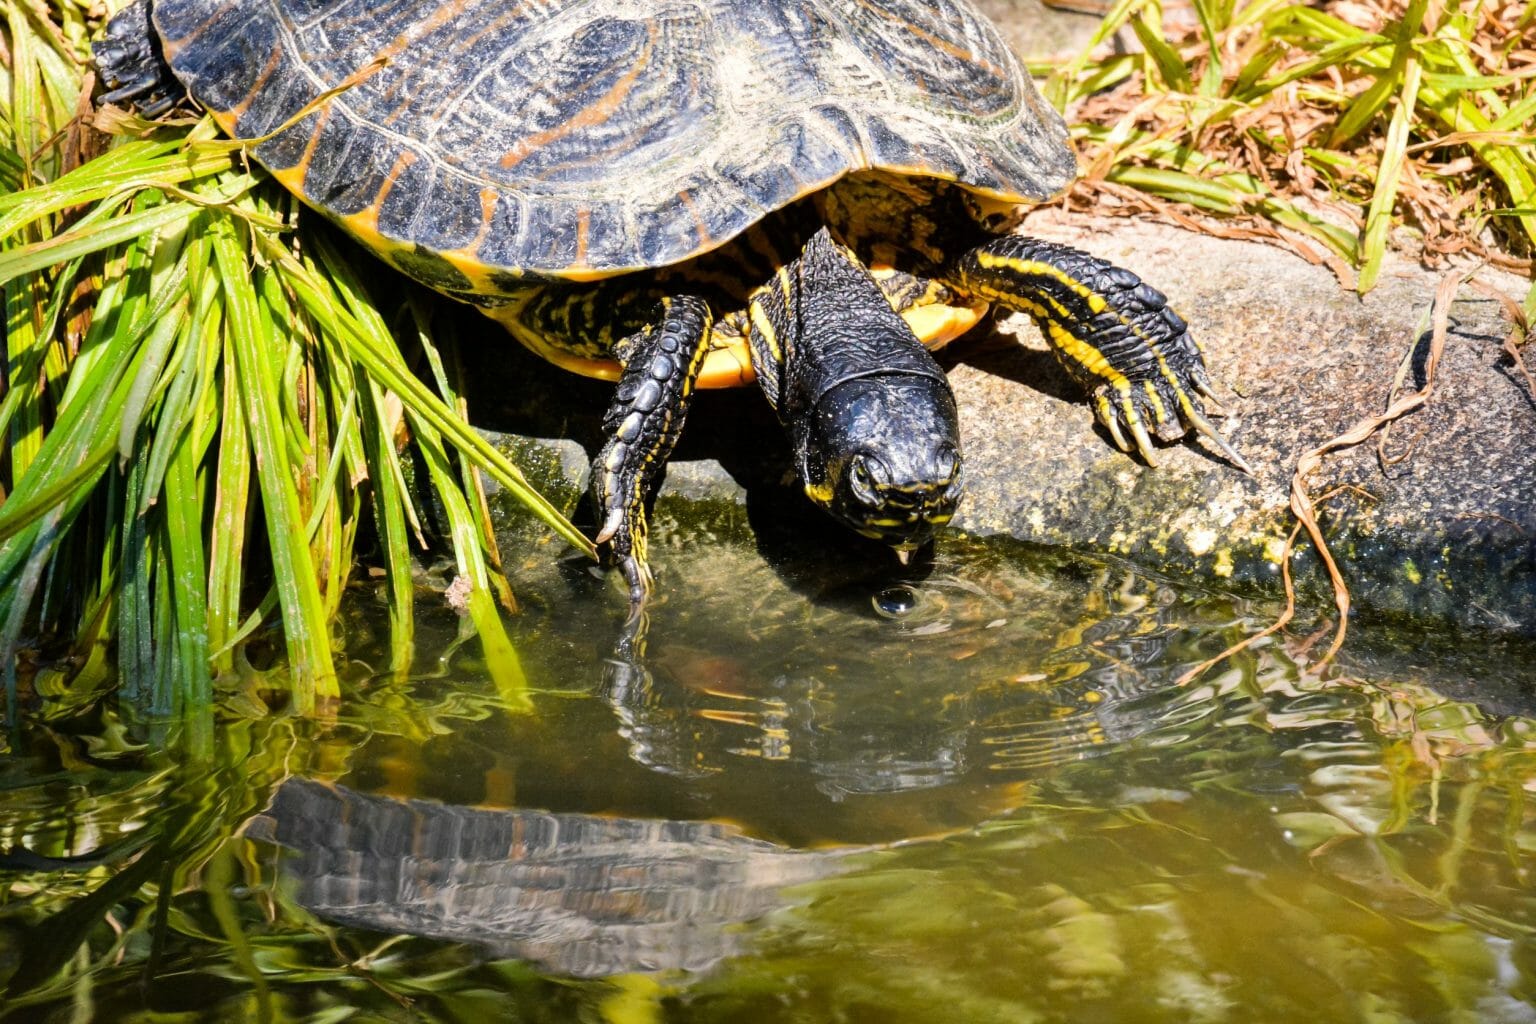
(104, 233)
(390, 501)
(304, 623)
(25, 339)
(501, 659)
(83, 437)
(382, 362)
(183, 510)
(231, 511)
(1378, 220)
(1364, 110)
(135, 614)
(1170, 66)
(117, 173)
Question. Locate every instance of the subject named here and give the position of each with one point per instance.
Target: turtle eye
(956, 489)
(861, 481)
(956, 475)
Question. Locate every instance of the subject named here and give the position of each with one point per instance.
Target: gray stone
(1036, 31)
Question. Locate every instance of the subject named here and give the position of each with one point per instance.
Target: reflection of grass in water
(205, 409)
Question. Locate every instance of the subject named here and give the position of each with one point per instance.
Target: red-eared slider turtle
(689, 193)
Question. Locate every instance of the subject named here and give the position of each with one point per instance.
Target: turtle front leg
(661, 363)
(1114, 334)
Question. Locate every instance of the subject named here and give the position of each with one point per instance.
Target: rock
(1036, 31)
(1447, 533)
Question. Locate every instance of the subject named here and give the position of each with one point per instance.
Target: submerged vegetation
(208, 413)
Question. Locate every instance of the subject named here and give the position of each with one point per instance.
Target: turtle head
(870, 414)
(881, 453)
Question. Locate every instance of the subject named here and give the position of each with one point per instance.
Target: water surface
(828, 793)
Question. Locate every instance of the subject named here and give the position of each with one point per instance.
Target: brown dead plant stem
(1304, 504)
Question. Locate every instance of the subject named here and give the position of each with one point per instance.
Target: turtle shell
(478, 143)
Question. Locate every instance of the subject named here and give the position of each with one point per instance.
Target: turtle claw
(1207, 393)
(1143, 442)
(1106, 412)
(611, 526)
(1203, 427)
(1126, 412)
(1130, 411)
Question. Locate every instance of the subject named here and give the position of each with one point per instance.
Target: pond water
(826, 794)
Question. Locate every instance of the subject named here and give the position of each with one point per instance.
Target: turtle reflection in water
(580, 895)
(678, 194)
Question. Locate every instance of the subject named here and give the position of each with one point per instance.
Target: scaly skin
(1114, 334)
(661, 364)
(870, 415)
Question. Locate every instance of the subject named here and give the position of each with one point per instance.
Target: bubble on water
(895, 602)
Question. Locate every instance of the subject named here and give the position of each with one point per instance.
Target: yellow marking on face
(821, 494)
(908, 488)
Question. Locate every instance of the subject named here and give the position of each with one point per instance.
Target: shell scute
(407, 182)
(349, 167)
(290, 149)
(580, 138)
(502, 241)
(455, 216)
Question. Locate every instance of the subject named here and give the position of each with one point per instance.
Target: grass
(1343, 129)
(209, 414)
(204, 409)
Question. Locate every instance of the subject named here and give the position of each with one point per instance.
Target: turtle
(685, 194)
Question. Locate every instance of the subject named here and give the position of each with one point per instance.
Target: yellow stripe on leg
(1097, 303)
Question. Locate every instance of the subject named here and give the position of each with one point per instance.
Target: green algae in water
(988, 803)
